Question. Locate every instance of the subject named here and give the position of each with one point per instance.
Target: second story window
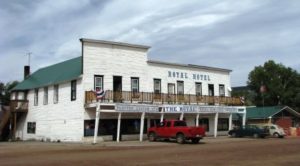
(180, 87)
(134, 84)
(55, 94)
(171, 88)
(98, 82)
(45, 95)
(73, 90)
(221, 90)
(36, 97)
(198, 87)
(157, 86)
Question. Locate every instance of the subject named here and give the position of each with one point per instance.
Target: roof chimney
(26, 71)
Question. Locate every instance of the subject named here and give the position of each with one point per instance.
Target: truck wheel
(195, 140)
(180, 138)
(152, 137)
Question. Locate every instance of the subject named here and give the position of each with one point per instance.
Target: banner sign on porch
(196, 109)
(121, 107)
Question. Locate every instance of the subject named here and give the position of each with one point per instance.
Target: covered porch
(131, 121)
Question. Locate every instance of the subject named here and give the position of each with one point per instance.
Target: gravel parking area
(210, 151)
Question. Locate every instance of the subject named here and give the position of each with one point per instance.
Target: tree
(5, 91)
(275, 84)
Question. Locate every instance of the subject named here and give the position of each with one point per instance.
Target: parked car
(176, 129)
(275, 130)
(250, 131)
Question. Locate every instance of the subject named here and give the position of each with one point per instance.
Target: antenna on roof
(29, 54)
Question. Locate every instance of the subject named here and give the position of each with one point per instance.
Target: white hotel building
(58, 102)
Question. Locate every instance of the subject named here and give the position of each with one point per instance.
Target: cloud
(229, 34)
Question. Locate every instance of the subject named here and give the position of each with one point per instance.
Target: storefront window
(223, 124)
(109, 127)
(204, 122)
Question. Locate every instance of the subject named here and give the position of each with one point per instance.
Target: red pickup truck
(176, 129)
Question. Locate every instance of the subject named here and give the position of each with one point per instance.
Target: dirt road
(221, 151)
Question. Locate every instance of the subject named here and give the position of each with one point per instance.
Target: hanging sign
(121, 107)
(196, 109)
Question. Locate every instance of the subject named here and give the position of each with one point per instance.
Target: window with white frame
(45, 96)
(221, 90)
(134, 84)
(157, 86)
(36, 97)
(98, 82)
(198, 88)
(180, 87)
(55, 94)
(171, 88)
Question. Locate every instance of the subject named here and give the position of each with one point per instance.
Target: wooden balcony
(19, 105)
(161, 98)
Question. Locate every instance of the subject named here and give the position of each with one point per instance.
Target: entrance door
(117, 88)
(211, 94)
(211, 90)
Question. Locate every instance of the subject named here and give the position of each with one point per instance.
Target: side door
(272, 130)
(160, 129)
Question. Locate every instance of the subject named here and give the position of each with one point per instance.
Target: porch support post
(142, 126)
(148, 122)
(161, 117)
(244, 117)
(230, 122)
(197, 120)
(216, 125)
(181, 116)
(119, 126)
(97, 118)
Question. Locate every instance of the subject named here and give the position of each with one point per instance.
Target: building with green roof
(283, 116)
(61, 102)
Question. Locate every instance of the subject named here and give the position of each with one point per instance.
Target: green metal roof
(60, 72)
(259, 112)
(262, 112)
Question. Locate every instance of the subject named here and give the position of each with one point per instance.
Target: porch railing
(161, 98)
(19, 105)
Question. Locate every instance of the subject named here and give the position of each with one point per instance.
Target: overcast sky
(237, 35)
